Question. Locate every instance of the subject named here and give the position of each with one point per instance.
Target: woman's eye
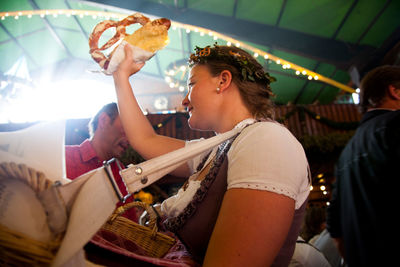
(190, 85)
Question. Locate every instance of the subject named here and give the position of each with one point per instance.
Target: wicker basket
(154, 243)
(16, 248)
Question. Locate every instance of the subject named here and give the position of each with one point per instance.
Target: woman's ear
(225, 80)
(394, 92)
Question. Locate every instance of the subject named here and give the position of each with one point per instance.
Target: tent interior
(317, 50)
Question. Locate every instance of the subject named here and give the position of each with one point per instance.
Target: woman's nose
(185, 101)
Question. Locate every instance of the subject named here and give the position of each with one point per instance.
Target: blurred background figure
(365, 195)
(314, 222)
(107, 140)
(325, 243)
(315, 246)
(307, 255)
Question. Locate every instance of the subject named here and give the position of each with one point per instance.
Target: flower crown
(248, 70)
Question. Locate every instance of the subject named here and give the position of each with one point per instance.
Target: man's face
(115, 138)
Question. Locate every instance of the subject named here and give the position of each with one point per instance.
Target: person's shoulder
(388, 121)
(267, 127)
(76, 149)
(268, 135)
(394, 118)
(383, 116)
(71, 148)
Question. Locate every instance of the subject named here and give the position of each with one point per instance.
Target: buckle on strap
(110, 175)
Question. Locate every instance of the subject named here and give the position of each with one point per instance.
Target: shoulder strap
(141, 175)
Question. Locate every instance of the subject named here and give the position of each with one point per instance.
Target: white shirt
(305, 255)
(265, 156)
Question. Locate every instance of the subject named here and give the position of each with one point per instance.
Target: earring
(218, 90)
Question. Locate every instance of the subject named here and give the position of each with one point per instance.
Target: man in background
(107, 140)
(361, 215)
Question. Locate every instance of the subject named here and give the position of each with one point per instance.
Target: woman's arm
(138, 129)
(251, 228)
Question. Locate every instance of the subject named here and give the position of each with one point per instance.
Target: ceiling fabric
(336, 41)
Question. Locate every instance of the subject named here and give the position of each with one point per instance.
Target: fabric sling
(91, 198)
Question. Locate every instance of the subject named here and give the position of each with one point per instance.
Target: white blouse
(265, 156)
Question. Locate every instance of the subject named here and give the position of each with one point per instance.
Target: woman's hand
(128, 66)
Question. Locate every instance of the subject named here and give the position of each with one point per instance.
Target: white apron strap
(141, 175)
(90, 207)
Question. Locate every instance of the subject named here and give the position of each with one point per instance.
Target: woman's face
(201, 100)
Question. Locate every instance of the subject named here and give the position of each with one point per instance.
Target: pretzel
(120, 26)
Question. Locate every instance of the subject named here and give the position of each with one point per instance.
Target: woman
(255, 219)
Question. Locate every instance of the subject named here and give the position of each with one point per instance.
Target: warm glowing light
(322, 187)
(55, 101)
(356, 98)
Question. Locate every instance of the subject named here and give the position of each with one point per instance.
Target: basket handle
(152, 214)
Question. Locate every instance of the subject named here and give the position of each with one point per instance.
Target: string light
(175, 75)
(189, 28)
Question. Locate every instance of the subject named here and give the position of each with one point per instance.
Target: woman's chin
(192, 125)
(197, 125)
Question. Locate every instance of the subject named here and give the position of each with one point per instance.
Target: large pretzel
(120, 26)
